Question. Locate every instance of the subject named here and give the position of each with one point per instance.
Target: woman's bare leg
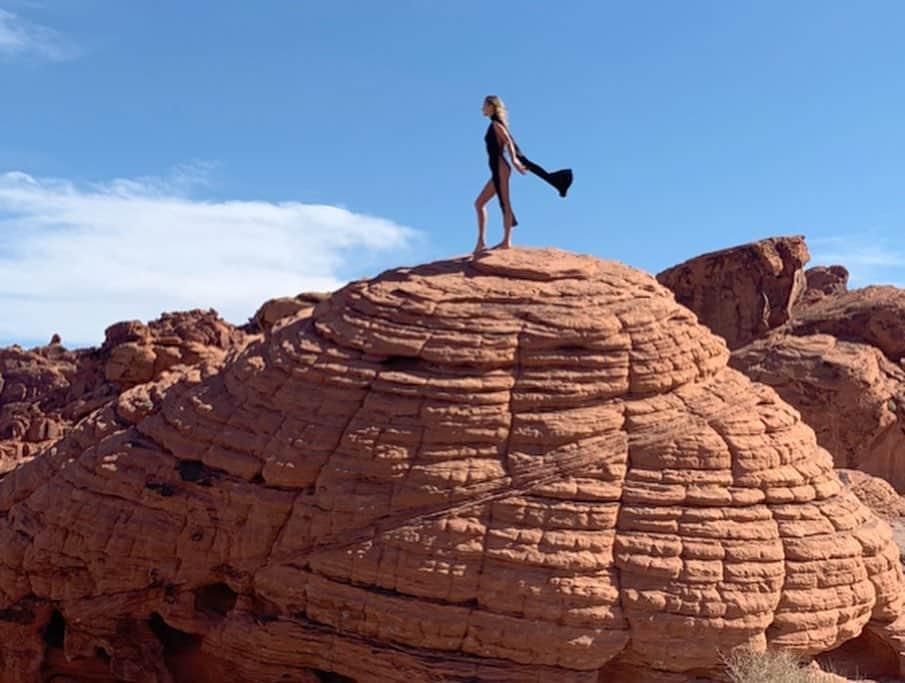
(480, 205)
(507, 216)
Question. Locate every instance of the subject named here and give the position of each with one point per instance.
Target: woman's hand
(519, 167)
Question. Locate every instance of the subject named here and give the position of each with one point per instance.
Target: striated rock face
(532, 466)
(742, 292)
(873, 315)
(850, 393)
(45, 390)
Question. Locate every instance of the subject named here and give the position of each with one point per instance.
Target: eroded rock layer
(848, 392)
(872, 315)
(44, 391)
(742, 292)
(531, 466)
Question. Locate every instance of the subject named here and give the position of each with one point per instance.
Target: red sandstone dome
(531, 466)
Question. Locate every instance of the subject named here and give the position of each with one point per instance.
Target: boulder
(825, 281)
(742, 292)
(528, 466)
(274, 310)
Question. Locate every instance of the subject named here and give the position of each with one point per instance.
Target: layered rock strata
(531, 466)
(850, 393)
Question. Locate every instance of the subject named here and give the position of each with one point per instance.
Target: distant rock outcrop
(529, 466)
(742, 292)
(137, 353)
(826, 280)
(833, 353)
(44, 391)
(873, 315)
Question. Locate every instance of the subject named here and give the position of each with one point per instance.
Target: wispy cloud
(74, 259)
(868, 256)
(22, 38)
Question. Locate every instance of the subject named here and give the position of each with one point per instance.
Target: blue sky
(165, 155)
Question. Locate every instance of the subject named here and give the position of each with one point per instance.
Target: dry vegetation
(773, 666)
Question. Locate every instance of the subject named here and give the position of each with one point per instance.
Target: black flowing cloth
(561, 179)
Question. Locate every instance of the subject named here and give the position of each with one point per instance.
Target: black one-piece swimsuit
(494, 156)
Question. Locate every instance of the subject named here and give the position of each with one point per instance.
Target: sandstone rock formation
(532, 466)
(742, 292)
(274, 310)
(833, 357)
(45, 390)
(850, 393)
(873, 315)
(875, 493)
(825, 280)
(882, 499)
(137, 353)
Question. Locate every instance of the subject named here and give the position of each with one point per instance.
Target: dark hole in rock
(216, 597)
(190, 470)
(102, 655)
(164, 490)
(21, 612)
(182, 654)
(399, 362)
(257, 479)
(572, 348)
(172, 639)
(55, 631)
(866, 656)
(332, 677)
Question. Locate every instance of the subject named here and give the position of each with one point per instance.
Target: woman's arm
(506, 141)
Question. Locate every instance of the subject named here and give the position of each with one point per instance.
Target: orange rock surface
(833, 354)
(531, 466)
(849, 392)
(873, 315)
(742, 292)
(275, 310)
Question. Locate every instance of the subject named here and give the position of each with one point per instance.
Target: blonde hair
(498, 108)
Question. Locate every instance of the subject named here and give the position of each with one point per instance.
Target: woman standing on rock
(497, 139)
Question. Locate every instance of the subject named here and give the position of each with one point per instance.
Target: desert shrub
(772, 666)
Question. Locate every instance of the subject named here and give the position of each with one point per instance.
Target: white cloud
(76, 259)
(19, 38)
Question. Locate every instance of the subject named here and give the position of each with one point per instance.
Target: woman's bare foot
(479, 247)
(505, 244)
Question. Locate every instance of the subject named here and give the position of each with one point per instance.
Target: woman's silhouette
(498, 139)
